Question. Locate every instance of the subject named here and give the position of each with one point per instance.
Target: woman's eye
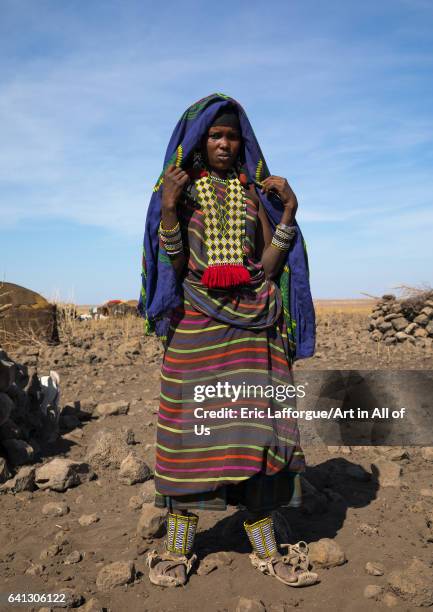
(214, 136)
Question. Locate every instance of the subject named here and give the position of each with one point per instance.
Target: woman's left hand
(280, 185)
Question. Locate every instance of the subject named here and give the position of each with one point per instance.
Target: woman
(225, 285)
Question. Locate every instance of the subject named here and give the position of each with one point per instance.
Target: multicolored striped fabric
(237, 336)
(259, 494)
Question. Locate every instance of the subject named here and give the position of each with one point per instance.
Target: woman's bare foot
(292, 569)
(169, 569)
(285, 571)
(178, 572)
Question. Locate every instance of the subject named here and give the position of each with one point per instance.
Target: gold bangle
(276, 242)
(173, 230)
(280, 248)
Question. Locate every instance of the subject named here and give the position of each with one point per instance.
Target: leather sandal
(296, 557)
(160, 576)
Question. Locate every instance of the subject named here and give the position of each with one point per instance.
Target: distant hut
(118, 308)
(25, 315)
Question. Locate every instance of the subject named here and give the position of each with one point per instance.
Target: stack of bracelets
(283, 236)
(171, 239)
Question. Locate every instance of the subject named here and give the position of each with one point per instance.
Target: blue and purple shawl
(161, 291)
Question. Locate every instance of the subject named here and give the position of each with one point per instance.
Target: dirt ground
(106, 361)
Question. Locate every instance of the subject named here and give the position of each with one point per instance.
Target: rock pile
(24, 424)
(396, 321)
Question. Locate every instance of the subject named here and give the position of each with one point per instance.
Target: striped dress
(224, 340)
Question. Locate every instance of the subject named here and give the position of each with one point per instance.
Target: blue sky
(340, 95)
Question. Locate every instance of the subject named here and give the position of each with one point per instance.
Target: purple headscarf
(161, 291)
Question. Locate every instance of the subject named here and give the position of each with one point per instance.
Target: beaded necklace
(217, 179)
(224, 231)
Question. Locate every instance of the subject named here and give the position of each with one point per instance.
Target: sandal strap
(174, 560)
(300, 547)
(301, 571)
(266, 565)
(297, 555)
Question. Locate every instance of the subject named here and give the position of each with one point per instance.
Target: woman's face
(222, 147)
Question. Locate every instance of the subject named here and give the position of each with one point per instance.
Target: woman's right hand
(175, 180)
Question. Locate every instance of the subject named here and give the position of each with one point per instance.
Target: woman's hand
(279, 185)
(175, 180)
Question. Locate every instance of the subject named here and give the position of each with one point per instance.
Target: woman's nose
(224, 144)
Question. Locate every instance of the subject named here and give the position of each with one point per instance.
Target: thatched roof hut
(118, 308)
(25, 315)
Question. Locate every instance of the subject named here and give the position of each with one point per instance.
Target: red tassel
(225, 275)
